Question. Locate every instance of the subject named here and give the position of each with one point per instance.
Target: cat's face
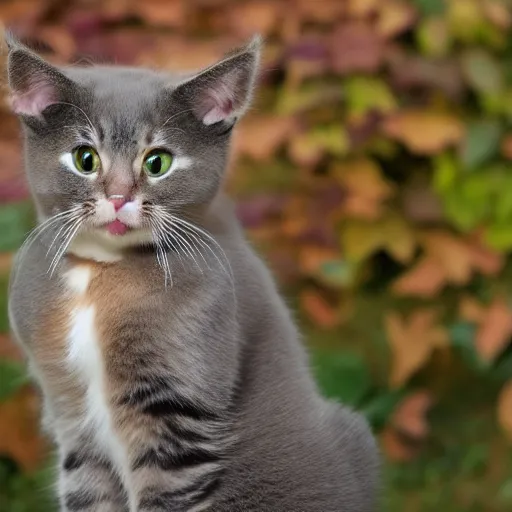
(121, 149)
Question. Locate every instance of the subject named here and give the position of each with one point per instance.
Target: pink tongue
(117, 228)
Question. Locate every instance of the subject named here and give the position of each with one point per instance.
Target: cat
(172, 374)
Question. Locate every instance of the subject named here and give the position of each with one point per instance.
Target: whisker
(176, 115)
(191, 227)
(182, 242)
(161, 256)
(80, 109)
(36, 233)
(68, 237)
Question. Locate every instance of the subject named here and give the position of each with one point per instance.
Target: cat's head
(121, 148)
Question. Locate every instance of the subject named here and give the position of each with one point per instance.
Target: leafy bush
(373, 172)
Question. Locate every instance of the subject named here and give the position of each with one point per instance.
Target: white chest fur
(85, 361)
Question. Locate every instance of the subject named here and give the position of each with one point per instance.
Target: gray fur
(215, 359)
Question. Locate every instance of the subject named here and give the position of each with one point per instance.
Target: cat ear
(224, 91)
(34, 84)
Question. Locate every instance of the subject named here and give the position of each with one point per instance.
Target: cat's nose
(118, 201)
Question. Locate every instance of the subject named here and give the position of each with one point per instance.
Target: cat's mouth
(117, 228)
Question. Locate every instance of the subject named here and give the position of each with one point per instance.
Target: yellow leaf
(360, 239)
(424, 132)
(399, 238)
(412, 342)
(362, 8)
(395, 16)
(471, 310)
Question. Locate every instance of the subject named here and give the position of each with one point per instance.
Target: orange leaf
(6, 259)
(396, 447)
(506, 146)
(254, 17)
(412, 342)
(8, 350)
(162, 12)
(505, 408)
(410, 416)
(19, 429)
(495, 330)
(362, 177)
(459, 257)
(259, 137)
(407, 427)
(318, 309)
(451, 253)
(426, 279)
(424, 132)
(312, 257)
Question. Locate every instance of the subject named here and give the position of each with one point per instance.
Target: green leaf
(481, 142)
(378, 410)
(338, 273)
(499, 236)
(333, 138)
(445, 172)
(503, 203)
(431, 7)
(462, 337)
(434, 37)
(15, 222)
(465, 211)
(12, 377)
(4, 319)
(482, 71)
(341, 375)
(364, 94)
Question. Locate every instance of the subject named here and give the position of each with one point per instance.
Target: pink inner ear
(217, 102)
(34, 100)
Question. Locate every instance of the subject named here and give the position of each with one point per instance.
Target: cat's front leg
(87, 483)
(176, 446)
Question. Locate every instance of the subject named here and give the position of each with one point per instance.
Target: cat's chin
(99, 244)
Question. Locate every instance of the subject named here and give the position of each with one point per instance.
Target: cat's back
(331, 466)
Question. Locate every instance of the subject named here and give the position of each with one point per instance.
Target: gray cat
(172, 373)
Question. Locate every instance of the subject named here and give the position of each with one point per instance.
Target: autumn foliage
(377, 157)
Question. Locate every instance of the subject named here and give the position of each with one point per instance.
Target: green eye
(86, 160)
(157, 163)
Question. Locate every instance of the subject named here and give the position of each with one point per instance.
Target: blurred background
(374, 174)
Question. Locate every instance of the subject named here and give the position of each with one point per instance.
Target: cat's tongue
(117, 228)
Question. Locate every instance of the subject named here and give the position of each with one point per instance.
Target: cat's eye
(157, 163)
(86, 160)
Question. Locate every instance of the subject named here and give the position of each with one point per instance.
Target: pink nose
(118, 201)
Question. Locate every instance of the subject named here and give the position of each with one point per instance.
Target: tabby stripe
(75, 460)
(170, 500)
(179, 405)
(172, 461)
(81, 500)
(206, 491)
(185, 434)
